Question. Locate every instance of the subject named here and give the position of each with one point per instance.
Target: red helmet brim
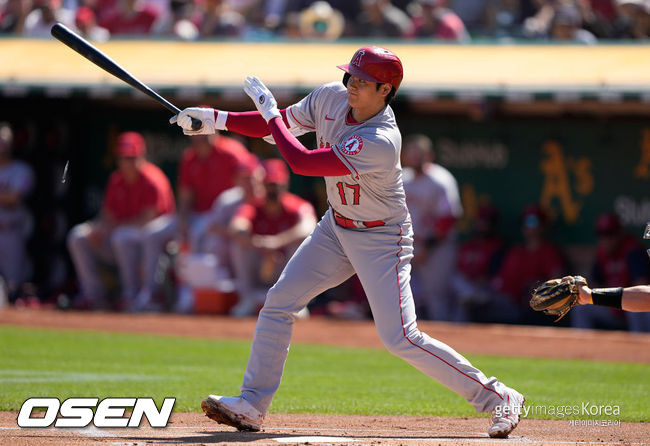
(356, 72)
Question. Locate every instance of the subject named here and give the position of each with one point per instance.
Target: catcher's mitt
(556, 297)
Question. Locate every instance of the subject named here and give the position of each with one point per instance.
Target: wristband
(607, 297)
(220, 118)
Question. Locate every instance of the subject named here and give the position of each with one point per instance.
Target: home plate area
(194, 428)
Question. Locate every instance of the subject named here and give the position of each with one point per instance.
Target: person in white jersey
(366, 230)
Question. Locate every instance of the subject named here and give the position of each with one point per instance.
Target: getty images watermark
(601, 414)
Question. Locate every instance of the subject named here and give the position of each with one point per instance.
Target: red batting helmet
(375, 64)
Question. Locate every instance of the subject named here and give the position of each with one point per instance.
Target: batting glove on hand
(205, 115)
(262, 97)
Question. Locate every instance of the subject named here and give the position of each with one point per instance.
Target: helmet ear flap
(346, 78)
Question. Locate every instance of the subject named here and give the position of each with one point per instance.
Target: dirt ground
(192, 428)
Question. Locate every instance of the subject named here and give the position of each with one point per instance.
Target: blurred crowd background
(219, 238)
(503, 194)
(577, 21)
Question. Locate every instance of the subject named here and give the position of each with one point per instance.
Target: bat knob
(196, 124)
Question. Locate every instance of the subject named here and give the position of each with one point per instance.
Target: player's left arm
(319, 162)
(634, 299)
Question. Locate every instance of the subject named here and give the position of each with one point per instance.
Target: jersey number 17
(355, 192)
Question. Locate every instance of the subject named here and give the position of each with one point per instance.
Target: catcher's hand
(556, 297)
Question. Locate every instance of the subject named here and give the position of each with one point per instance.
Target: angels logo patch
(352, 146)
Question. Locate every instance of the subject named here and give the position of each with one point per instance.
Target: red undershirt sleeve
(316, 163)
(250, 123)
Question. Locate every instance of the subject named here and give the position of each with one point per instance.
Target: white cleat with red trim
(505, 417)
(233, 411)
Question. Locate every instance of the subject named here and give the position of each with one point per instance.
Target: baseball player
(138, 195)
(366, 230)
(434, 205)
(16, 182)
(267, 231)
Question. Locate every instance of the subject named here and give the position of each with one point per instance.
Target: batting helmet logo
(352, 146)
(357, 58)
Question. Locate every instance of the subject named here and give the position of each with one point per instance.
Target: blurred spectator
(87, 25)
(16, 182)
(133, 17)
(559, 20)
(566, 25)
(479, 261)
(44, 15)
(216, 266)
(380, 18)
(181, 21)
(13, 14)
(432, 20)
(266, 233)
(633, 21)
(598, 16)
(473, 13)
(529, 263)
(538, 25)
(321, 21)
(207, 168)
(620, 262)
(434, 204)
(219, 19)
(137, 194)
(249, 188)
(503, 18)
(604, 9)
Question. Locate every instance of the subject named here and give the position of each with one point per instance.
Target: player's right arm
(268, 119)
(249, 123)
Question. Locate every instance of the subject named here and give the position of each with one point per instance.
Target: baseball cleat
(233, 411)
(505, 417)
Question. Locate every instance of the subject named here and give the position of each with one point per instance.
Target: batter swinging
(367, 231)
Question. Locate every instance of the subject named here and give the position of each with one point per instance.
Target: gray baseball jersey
(371, 151)
(379, 254)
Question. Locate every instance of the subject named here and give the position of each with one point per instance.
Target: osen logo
(78, 412)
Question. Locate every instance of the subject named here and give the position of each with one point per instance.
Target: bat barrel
(81, 46)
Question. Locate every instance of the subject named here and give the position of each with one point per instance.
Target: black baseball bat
(87, 50)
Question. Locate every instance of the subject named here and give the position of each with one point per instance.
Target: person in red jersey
(137, 195)
(133, 17)
(529, 263)
(207, 168)
(267, 231)
(479, 260)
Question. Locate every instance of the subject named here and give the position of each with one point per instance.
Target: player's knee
(121, 237)
(395, 343)
(77, 235)
(280, 304)
(400, 343)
